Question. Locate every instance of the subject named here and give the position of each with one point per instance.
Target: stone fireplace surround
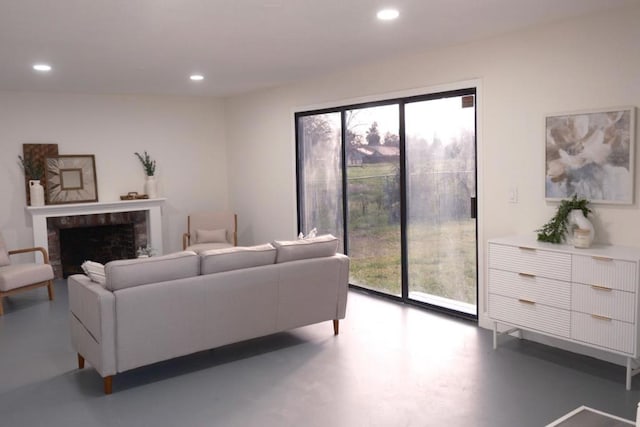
(48, 219)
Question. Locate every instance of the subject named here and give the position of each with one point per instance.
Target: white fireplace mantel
(153, 207)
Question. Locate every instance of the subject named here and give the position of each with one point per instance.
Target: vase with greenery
(149, 166)
(556, 229)
(32, 170)
(33, 173)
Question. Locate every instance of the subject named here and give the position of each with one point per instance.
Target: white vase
(577, 219)
(36, 192)
(151, 187)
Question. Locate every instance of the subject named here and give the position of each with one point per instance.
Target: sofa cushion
(141, 271)
(235, 258)
(211, 236)
(202, 247)
(292, 250)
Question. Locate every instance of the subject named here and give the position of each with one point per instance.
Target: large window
(395, 181)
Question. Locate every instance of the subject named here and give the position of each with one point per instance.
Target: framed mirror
(71, 179)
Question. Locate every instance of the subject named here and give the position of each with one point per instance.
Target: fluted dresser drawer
(585, 296)
(524, 259)
(604, 332)
(603, 301)
(605, 271)
(537, 317)
(551, 292)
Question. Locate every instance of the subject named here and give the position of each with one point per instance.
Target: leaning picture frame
(71, 179)
(590, 154)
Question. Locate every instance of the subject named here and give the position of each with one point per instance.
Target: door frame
(382, 98)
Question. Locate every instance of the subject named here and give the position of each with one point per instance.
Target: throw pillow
(211, 236)
(95, 271)
(309, 235)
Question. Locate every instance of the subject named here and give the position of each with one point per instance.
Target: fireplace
(99, 237)
(101, 244)
(48, 220)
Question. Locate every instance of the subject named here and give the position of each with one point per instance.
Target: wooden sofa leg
(80, 361)
(1, 308)
(50, 290)
(108, 384)
(336, 326)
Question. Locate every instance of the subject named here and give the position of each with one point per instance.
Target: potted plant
(556, 229)
(149, 166)
(33, 172)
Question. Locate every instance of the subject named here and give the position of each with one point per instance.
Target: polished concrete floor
(391, 365)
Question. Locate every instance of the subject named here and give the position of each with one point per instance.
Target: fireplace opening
(101, 244)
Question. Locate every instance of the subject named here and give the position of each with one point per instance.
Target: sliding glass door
(319, 147)
(441, 190)
(373, 195)
(396, 181)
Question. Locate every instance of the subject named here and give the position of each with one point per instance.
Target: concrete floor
(391, 365)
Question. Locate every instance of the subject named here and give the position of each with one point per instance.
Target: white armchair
(15, 278)
(210, 230)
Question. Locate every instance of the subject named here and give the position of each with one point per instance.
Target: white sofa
(163, 307)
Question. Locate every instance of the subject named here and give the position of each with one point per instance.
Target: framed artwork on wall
(591, 154)
(71, 179)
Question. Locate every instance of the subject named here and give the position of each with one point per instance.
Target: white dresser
(586, 296)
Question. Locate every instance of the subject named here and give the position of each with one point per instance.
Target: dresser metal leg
(495, 335)
(628, 373)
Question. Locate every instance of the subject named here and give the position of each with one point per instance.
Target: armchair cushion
(19, 275)
(211, 236)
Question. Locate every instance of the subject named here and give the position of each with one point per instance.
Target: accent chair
(210, 230)
(15, 278)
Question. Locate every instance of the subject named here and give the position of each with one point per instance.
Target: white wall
(590, 62)
(184, 135)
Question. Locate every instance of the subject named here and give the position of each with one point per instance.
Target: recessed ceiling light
(42, 67)
(387, 14)
(196, 77)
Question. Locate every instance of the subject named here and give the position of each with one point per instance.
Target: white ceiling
(152, 46)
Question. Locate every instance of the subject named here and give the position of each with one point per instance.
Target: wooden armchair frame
(47, 283)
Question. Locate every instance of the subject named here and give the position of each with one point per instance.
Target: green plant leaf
(555, 230)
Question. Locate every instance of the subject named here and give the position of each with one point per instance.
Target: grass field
(441, 256)
(442, 260)
(441, 249)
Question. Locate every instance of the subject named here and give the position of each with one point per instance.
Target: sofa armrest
(343, 285)
(92, 312)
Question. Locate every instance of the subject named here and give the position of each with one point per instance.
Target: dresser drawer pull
(526, 275)
(601, 288)
(595, 316)
(602, 258)
(525, 248)
(526, 301)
